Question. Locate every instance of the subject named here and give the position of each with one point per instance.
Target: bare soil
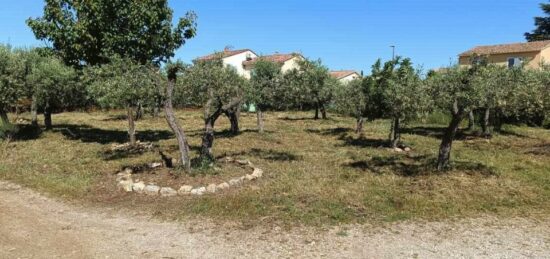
(35, 226)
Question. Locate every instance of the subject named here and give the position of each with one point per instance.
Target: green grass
(316, 172)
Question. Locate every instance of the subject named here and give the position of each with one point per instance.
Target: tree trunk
(176, 128)
(471, 121)
(4, 117)
(139, 112)
(323, 112)
(34, 112)
(485, 124)
(207, 140)
(48, 117)
(359, 127)
(447, 142)
(316, 113)
(260, 120)
(131, 126)
(395, 134)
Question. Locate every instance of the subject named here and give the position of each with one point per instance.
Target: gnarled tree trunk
(233, 116)
(131, 125)
(48, 117)
(323, 112)
(471, 121)
(34, 112)
(316, 113)
(447, 140)
(359, 126)
(485, 124)
(176, 128)
(260, 119)
(395, 132)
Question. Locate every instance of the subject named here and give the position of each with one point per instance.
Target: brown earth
(34, 226)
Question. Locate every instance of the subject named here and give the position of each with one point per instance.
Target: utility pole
(392, 52)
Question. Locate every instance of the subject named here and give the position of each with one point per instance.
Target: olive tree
(403, 95)
(218, 89)
(453, 90)
(53, 85)
(11, 86)
(264, 87)
(124, 84)
(351, 99)
(311, 85)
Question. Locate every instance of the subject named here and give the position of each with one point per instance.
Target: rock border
(125, 182)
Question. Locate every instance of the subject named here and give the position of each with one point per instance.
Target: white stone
(211, 188)
(407, 149)
(126, 185)
(223, 186)
(151, 190)
(250, 177)
(242, 162)
(138, 187)
(398, 150)
(235, 181)
(155, 165)
(185, 190)
(258, 172)
(128, 170)
(167, 192)
(123, 176)
(198, 191)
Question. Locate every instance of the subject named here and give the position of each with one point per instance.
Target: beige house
(532, 54)
(287, 61)
(345, 76)
(234, 58)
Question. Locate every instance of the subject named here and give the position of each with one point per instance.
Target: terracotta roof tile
(276, 58)
(508, 48)
(342, 73)
(224, 54)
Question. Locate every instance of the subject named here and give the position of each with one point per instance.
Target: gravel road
(34, 226)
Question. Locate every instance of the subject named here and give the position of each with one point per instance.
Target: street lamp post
(392, 52)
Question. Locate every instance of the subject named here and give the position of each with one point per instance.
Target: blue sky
(345, 34)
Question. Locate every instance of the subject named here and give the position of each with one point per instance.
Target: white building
(287, 61)
(345, 76)
(235, 59)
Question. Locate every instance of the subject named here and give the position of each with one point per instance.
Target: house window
(514, 62)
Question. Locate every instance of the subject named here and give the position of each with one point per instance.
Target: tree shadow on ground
(86, 133)
(330, 132)
(269, 154)
(26, 132)
(118, 117)
(287, 118)
(462, 134)
(421, 165)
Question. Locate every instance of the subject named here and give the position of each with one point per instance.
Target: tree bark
(447, 140)
(131, 126)
(485, 124)
(34, 112)
(359, 126)
(139, 112)
(208, 139)
(176, 128)
(260, 120)
(316, 113)
(471, 121)
(48, 117)
(233, 116)
(323, 112)
(395, 134)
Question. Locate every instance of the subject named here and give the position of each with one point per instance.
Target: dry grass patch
(316, 171)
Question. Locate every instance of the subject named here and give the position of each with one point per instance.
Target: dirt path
(32, 226)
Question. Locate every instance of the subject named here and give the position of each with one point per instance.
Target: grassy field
(316, 171)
